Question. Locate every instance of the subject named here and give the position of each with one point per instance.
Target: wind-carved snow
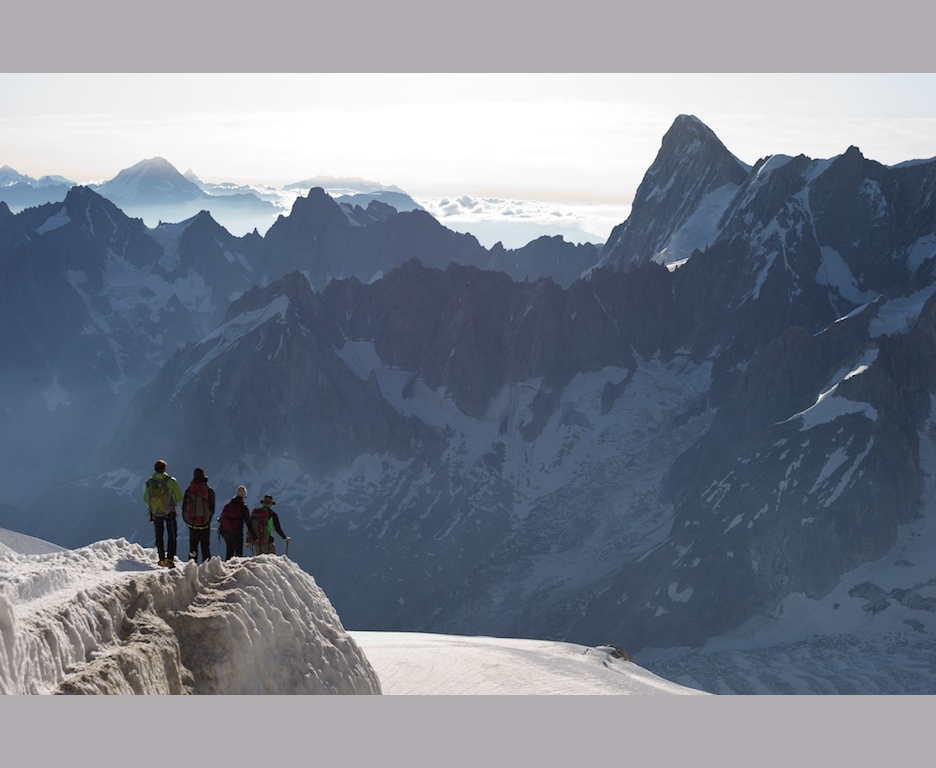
(900, 315)
(56, 220)
(106, 619)
(829, 406)
(229, 335)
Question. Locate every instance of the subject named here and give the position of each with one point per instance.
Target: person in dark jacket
(198, 508)
(234, 517)
(266, 521)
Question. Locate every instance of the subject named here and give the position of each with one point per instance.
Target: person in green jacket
(265, 521)
(161, 495)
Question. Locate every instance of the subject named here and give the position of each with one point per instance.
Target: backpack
(159, 505)
(231, 521)
(197, 513)
(260, 518)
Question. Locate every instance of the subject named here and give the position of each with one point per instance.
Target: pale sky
(573, 137)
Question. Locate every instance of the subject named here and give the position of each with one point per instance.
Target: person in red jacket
(234, 517)
(198, 508)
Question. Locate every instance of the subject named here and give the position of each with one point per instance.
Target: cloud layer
(514, 223)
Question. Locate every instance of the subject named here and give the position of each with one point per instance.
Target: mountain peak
(82, 198)
(692, 164)
(80, 194)
(689, 134)
(148, 182)
(10, 175)
(155, 163)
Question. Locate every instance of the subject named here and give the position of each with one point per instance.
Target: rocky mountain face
(680, 200)
(327, 240)
(822, 395)
(96, 302)
(720, 439)
(93, 302)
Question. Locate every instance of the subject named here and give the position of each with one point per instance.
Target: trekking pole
(286, 554)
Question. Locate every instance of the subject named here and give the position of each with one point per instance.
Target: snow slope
(104, 619)
(411, 663)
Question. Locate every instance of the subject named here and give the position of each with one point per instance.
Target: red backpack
(259, 517)
(232, 517)
(197, 512)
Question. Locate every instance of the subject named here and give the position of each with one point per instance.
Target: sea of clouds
(514, 223)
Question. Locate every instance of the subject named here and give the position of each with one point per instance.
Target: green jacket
(175, 490)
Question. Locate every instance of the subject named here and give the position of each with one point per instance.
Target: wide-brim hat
(268, 500)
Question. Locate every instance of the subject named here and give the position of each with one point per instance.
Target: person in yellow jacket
(161, 495)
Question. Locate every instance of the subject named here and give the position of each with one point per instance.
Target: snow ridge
(105, 619)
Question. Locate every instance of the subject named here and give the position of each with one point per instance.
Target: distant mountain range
(156, 192)
(19, 191)
(710, 441)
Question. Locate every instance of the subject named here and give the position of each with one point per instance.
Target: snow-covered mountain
(150, 182)
(19, 191)
(716, 444)
(680, 201)
(328, 240)
(156, 192)
(96, 302)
